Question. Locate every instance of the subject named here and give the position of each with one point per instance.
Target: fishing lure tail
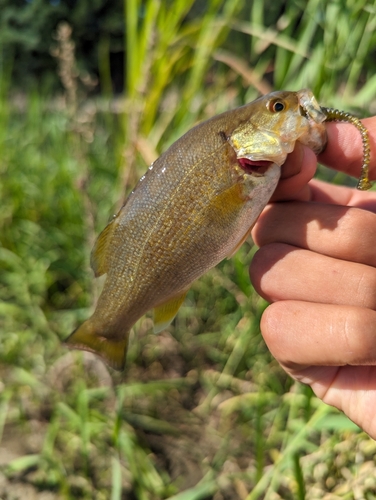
(341, 116)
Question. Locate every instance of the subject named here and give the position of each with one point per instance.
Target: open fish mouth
(304, 112)
(309, 107)
(257, 167)
(312, 113)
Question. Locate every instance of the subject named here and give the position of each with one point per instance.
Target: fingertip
(268, 259)
(294, 162)
(289, 329)
(266, 229)
(302, 333)
(257, 270)
(276, 337)
(298, 170)
(269, 324)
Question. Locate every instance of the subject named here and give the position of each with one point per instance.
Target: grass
(202, 410)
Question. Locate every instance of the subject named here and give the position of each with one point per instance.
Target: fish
(194, 207)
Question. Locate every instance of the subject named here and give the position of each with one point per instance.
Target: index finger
(344, 151)
(324, 192)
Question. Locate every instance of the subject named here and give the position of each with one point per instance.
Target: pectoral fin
(165, 313)
(99, 254)
(113, 352)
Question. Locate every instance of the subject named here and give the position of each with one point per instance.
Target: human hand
(343, 153)
(317, 266)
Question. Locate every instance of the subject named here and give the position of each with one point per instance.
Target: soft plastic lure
(334, 115)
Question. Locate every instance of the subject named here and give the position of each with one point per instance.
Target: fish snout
(316, 136)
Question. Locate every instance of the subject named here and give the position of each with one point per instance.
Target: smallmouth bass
(194, 207)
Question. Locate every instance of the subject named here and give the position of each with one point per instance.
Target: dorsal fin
(99, 257)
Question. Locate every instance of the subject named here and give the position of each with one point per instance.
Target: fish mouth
(303, 112)
(316, 137)
(251, 167)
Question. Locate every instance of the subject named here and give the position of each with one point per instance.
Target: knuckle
(354, 238)
(366, 288)
(359, 325)
(356, 229)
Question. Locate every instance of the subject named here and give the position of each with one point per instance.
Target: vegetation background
(90, 94)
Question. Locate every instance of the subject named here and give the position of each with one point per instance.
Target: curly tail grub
(333, 115)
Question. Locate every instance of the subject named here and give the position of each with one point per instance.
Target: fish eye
(276, 106)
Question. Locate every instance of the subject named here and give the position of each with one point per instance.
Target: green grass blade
(116, 491)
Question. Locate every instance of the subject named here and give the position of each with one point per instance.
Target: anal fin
(165, 313)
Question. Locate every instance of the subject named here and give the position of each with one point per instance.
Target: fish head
(275, 123)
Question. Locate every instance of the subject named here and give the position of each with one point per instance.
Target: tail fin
(85, 337)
